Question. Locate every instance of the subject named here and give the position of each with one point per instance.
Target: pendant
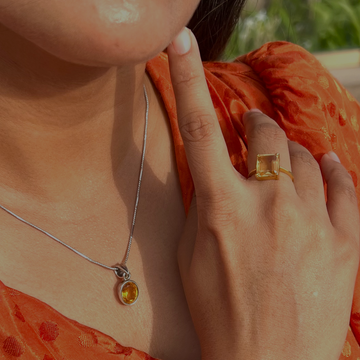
(128, 291)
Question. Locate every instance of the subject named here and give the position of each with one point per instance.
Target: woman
(255, 270)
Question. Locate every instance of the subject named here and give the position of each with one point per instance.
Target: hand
(268, 267)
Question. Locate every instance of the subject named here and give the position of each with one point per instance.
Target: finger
(307, 174)
(187, 241)
(204, 143)
(342, 202)
(265, 136)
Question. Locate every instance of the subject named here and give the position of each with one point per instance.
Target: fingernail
(182, 42)
(249, 112)
(334, 156)
(255, 110)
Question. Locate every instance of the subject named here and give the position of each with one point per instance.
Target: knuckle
(286, 213)
(188, 79)
(305, 158)
(280, 219)
(283, 211)
(220, 214)
(197, 126)
(318, 234)
(269, 130)
(320, 231)
(348, 252)
(339, 172)
(345, 186)
(348, 191)
(223, 225)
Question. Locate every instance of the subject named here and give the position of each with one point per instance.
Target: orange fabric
(285, 82)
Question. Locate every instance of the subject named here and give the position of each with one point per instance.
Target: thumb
(188, 238)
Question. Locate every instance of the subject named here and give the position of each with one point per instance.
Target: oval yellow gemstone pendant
(129, 292)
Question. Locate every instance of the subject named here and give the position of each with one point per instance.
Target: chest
(159, 323)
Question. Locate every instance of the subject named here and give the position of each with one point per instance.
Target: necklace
(128, 290)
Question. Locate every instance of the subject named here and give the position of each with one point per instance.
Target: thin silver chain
(135, 211)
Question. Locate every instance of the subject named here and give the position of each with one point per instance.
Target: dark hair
(213, 23)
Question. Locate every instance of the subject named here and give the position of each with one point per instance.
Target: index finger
(204, 143)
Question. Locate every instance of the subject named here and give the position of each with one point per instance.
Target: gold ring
(268, 168)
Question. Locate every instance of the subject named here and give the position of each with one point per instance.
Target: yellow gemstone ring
(268, 167)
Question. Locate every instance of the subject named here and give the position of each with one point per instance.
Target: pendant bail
(128, 290)
(122, 272)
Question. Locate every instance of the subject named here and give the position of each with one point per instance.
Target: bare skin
(71, 135)
(68, 161)
(282, 261)
(48, 271)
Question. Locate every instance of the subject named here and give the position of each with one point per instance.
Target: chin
(98, 32)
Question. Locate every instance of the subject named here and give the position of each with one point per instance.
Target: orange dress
(285, 82)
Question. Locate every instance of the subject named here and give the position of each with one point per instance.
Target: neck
(65, 129)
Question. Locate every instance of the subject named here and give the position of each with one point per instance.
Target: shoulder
(281, 68)
(278, 55)
(290, 85)
(296, 84)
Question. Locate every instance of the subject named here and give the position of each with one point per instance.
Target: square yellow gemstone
(267, 166)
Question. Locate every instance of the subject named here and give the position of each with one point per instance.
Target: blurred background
(330, 29)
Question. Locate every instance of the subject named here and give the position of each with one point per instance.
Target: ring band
(268, 168)
(287, 172)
